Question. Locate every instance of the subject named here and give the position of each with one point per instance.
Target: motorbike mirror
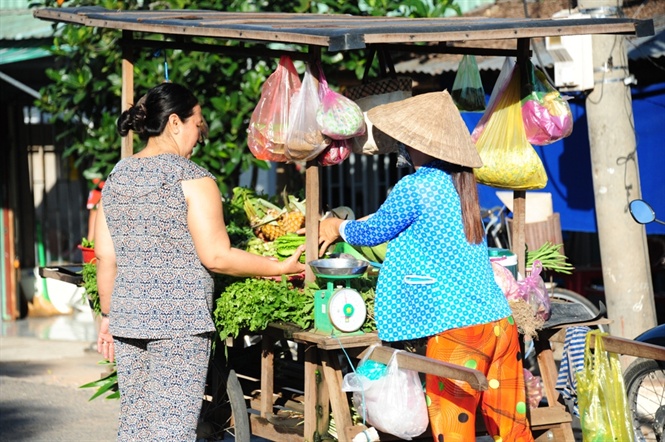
(642, 211)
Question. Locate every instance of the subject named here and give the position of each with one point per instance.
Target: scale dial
(347, 310)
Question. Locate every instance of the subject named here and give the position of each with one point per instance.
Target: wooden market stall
(312, 33)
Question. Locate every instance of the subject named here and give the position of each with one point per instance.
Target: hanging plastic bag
(546, 114)
(393, 402)
(468, 92)
(604, 411)
(338, 117)
(304, 140)
(336, 153)
(500, 86)
(270, 118)
(509, 161)
(388, 88)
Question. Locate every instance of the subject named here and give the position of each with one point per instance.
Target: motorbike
(644, 379)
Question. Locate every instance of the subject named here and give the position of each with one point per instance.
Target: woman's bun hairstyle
(148, 117)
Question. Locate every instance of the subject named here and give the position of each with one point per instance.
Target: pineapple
(294, 216)
(292, 221)
(272, 230)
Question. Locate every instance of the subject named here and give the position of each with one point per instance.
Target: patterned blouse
(161, 289)
(432, 279)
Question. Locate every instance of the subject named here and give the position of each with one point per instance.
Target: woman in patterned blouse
(160, 234)
(436, 281)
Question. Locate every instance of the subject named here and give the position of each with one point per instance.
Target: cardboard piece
(538, 205)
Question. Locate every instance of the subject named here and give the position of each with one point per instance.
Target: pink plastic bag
(338, 117)
(269, 122)
(546, 114)
(532, 289)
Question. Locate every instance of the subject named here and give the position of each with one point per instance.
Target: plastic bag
(270, 118)
(336, 153)
(468, 92)
(338, 117)
(304, 140)
(532, 290)
(509, 161)
(534, 389)
(546, 114)
(393, 402)
(499, 88)
(604, 411)
(506, 281)
(388, 88)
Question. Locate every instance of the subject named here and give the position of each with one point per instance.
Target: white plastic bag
(394, 403)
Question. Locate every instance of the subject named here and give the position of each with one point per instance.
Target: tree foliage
(85, 93)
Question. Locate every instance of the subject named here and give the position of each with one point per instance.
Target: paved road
(41, 369)
(40, 398)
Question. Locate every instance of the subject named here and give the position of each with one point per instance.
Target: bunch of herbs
(91, 295)
(253, 303)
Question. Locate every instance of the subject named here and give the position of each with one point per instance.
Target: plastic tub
(505, 258)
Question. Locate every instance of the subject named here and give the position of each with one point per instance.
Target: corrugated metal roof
(638, 48)
(20, 24)
(337, 32)
(15, 55)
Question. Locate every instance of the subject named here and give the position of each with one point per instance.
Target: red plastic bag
(336, 153)
(338, 117)
(270, 119)
(304, 140)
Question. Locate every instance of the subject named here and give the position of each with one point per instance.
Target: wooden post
(317, 396)
(312, 198)
(127, 94)
(267, 374)
(519, 196)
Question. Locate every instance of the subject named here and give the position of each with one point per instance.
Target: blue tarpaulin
(568, 163)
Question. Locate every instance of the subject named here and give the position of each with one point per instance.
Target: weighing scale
(339, 309)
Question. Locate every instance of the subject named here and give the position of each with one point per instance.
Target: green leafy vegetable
(550, 257)
(107, 384)
(252, 304)
(88, 243)
(91, 295)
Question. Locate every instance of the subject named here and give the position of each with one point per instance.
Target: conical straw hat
(431, 124)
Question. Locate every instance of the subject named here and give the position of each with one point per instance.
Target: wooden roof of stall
(337, 32)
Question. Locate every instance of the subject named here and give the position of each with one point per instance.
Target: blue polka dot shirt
(432, 279)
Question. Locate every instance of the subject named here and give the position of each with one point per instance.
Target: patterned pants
(162, 382)
(493, 349)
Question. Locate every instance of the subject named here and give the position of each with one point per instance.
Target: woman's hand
(105, 341)
(328, 233)
(292, 264)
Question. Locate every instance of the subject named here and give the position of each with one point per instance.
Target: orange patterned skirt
(494, 350)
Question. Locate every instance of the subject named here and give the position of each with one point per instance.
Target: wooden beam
(629, 347)
(337, 32)
(423, 364)
(236, 51)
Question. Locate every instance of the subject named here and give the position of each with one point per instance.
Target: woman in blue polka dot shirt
(436, 281)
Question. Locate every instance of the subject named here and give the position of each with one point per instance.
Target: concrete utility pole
(623, 247)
